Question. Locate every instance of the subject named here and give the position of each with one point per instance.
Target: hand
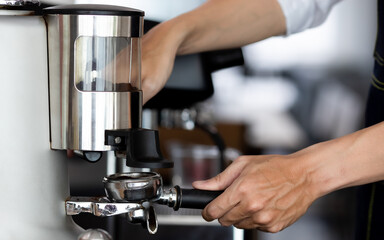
(158, 56)
(264, 192)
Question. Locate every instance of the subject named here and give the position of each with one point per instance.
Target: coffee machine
(34, 179)
(71, 83)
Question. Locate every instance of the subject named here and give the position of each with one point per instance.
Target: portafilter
(148, 186)
(132, 194)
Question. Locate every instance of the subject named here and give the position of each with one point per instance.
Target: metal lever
(102, 207)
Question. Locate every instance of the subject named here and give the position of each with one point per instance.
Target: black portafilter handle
(194, 198)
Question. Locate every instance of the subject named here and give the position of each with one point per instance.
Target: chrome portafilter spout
(127, 193)
(133, 193)
(139, 187)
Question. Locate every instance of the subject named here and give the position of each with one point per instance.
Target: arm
(271, 192)
(217, 24)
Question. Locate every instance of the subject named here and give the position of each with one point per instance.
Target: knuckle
(254, 207)
(245, 225)
(239, 226)
(243, 189)
(218, 178)
(224, 223)
(211, 212)
(242, 158)
(275, 228)
(264, 218)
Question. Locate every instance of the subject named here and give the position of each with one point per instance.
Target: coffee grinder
(95, 83)
(96, 106)
(73, 74)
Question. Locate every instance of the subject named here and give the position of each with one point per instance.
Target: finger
(219, 207)
(266, 221)
(222, 180)
(237, 214)
(223, 203)
(247, 223)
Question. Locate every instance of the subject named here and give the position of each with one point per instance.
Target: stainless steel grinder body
(33, 191)
(94, 73)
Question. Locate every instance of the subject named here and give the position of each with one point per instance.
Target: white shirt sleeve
(303, 14)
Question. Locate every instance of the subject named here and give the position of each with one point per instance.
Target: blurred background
(290, 92)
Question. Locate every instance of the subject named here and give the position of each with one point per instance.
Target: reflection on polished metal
(185, 118)
(89, 93)
(169, 198)
(19, 7)
(133, 186)
(19, 2)
(92, 234)
(128, 193)
(101, 207)
(152, 223)
(140, 187)
(101, 25)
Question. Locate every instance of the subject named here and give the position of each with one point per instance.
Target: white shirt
(303, 14)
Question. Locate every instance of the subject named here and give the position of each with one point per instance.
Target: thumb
(222, 180)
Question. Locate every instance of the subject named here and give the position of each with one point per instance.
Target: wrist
(164, 37)
(183, 28)
(323, 167)
(352, 160)
(175, 32)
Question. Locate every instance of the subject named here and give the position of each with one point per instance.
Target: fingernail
(206, 218)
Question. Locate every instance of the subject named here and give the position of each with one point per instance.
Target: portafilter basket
(133, 186)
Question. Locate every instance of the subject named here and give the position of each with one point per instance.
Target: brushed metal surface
(79, 118)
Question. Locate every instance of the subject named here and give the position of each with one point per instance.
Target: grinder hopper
(95, 83)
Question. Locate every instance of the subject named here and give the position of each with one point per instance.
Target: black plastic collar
(93, 9)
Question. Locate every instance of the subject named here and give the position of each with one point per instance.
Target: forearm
(219, 24)
(270, 192)
(355, 159)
